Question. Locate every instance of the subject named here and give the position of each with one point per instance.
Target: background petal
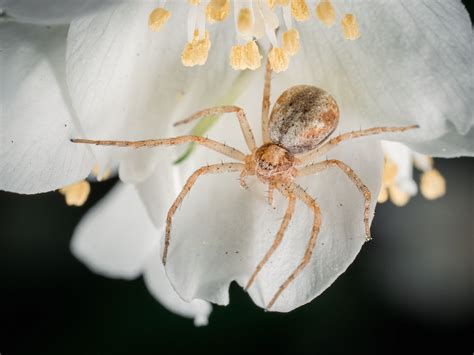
(128, 82)
(52, 12)
(115, 238)
(37, 120)
(412, 64)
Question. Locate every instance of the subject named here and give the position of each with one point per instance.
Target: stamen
(325, 12)
(158, 18)
(245, 56)
(100, 175)
(383, 195)
(291, 42)
(76, 194)
(350, 28)
(300, 10)
(278, 59)
(432, 184)
(254, 20)
(397, 196)
(273, 3)
(217, 10)
(244, 21)
(196, 51)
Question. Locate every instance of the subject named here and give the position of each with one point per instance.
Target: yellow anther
(390, 170)
(350, 28)
(245, 57)
(194, 2)
(383, 195)
(76, 194)
(278, 59)
(398, 197)
(300, 10)
(432, 184)
(244, 21)
(96, 172)
(325, 12)
(158, 18)
(217, 10)
(291, 41)
(196, 51)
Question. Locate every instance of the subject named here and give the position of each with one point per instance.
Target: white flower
(411, 64)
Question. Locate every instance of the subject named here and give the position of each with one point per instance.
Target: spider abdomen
(302, 118)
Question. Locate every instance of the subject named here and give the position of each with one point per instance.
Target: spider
(294, 134)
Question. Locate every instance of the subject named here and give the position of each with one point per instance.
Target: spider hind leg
(279, 236)
(313, 205)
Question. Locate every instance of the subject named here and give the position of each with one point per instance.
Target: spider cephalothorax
(273, 163)
(294, 135)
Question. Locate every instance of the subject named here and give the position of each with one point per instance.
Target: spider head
(302, 118)
(273, 162)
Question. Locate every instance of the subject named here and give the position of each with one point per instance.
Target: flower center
(254, 20)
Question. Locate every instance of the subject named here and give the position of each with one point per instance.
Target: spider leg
(240, 113)
(308, 156)
(209, 143)
(211, 169)
(312, 204)
(315, 168)
(266, 103)
(279, 236)
(271, 187)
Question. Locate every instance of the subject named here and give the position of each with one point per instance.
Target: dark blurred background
(410, 290)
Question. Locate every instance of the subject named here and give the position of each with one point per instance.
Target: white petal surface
(116, 238)
(37, 120)
(128, 82)
(160, 287)
(412, 64)
(50, 11)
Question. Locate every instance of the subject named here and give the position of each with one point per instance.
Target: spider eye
(302, 118)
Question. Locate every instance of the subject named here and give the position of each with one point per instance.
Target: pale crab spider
(302, 119)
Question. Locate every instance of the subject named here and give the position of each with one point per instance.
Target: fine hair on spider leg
(294, 133)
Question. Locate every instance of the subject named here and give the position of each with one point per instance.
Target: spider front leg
(266, 103)
(316, 168)
(312, 204)
(279, 236)
(211, 169)
(244, 124)
(317, 152)
(209, 143)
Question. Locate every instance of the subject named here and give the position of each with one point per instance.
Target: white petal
(116, 238)
(37, 120)
(160, 287)
(449, 145)
(128, 82)
(221, 232)
(412, 64)
(50, 11)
